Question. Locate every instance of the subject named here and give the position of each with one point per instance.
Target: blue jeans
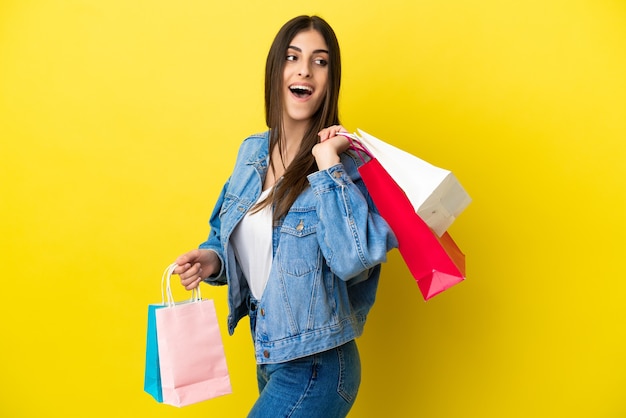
(323, 385)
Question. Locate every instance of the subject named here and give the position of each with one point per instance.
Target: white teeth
(299, 87)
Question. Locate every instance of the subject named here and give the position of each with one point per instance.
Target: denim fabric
(327, 254)
(323, 385)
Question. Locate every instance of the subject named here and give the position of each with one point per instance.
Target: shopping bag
(435, 262)
(152, 379)
(435, 193)
(191, 358)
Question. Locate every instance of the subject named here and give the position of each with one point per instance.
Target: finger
(333, 131)
(181, 268)
(187, 258)
(328, 132)
(187, 271)
(193, 284)
(189, 282)
(194, 270)
(338, 129)
(190, 286)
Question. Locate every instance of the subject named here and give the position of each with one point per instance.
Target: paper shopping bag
(435, 262)
(190, 354)
(152, 379)
(435, 193)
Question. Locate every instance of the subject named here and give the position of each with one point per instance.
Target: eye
(321, 62)
(291, 57)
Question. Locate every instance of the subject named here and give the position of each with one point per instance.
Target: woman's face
(305, 76)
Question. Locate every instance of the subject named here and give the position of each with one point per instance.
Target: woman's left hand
(327, 152)
(330, 132)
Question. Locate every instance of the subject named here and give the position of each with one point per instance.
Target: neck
(291, 138)
(293, 132)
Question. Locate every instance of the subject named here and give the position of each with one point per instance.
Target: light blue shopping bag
(152, 379)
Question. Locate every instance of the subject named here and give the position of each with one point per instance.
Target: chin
(299, 117)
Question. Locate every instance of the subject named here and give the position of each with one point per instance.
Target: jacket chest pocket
(298, 251)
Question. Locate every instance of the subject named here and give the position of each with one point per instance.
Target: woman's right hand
(195, 266)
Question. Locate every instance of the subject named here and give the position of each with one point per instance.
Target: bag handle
(357, 146)
(196, 296)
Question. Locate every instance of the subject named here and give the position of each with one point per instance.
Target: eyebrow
(317, 51)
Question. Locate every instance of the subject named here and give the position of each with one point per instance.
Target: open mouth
(301, 91)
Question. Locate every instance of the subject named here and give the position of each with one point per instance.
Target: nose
(305, 69)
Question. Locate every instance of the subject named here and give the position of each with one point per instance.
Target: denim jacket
(327, 254)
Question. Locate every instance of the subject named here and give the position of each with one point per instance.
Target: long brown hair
(294, 180)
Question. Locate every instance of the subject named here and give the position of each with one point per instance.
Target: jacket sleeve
(214, 240)
(352, 235)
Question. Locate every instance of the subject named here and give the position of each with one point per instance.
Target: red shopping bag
(190, 350)
(435, 262)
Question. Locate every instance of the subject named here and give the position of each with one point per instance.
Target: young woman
(296, 237)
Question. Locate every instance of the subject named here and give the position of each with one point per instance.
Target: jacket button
(337, 174)
(262, 312)
(266, 354)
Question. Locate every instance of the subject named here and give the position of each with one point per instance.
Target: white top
(252, 243)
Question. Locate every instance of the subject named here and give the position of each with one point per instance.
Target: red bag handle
(357, 146)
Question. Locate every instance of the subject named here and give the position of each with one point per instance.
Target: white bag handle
(196, 296)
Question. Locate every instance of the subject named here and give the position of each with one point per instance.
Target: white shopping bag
(435, 193)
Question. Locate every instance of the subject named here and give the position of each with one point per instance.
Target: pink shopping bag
(191, 354)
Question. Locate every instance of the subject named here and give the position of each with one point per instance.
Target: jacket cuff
(215, 278)
(331, 177)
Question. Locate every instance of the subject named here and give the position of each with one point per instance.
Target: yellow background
(120, 120)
